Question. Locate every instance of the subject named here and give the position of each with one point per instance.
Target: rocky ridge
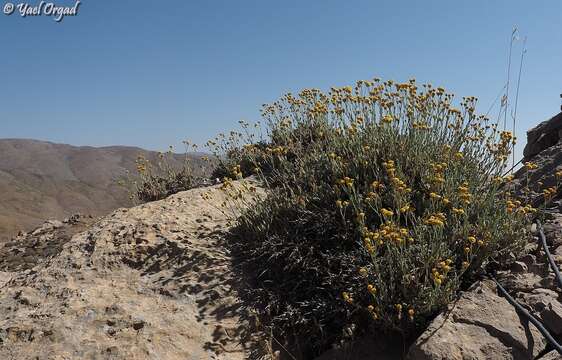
(151, 282)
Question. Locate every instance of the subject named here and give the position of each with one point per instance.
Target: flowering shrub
(160, 180)
(382, 199)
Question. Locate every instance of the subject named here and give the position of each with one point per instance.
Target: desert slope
(150, 282)
(41, 180)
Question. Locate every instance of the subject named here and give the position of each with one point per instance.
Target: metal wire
(524, 311)
(553, 264)
(529, 317)
(513, 167)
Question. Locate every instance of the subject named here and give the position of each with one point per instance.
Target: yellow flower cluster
(388, 232)
(346, 181)
(531, 166)
(458, 211)
(389, 166)
(439, 273)
(421, 125)
(398, 184)
(407, 208)
(360, 217)
(515, 206)
(438, 176)
(347, 297)
(463, 193)
(226, 183)
(342, 204)
(363, 272)
(434, 196)
(373, 312)
(387, 119)
(437, 219)
(278, 150)
(236, 171)
(502, 149)
(387, 213)
(549, 193)
(472, 240)
(377, 186)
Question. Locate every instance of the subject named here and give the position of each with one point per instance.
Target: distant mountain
(41, 180)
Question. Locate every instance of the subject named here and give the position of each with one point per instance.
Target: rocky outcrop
(26, 250)
(151, 282)
(544, 150)
(479, 325)
(543, 136)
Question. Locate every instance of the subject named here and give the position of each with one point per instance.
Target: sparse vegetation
(158, 181)
(381, 200)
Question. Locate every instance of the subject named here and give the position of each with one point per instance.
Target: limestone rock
(151, 282)
(480, 325)
(553, 355)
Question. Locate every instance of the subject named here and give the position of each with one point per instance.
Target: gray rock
(480, 325)
(553, 355)
(543, 136)
(552, 317)
(529, 259)
(519, 267)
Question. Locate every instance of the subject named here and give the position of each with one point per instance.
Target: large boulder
(543, 136)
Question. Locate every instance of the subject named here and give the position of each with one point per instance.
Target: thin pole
(508, 77)
(523, 52)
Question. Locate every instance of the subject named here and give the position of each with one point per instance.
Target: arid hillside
(42, 180)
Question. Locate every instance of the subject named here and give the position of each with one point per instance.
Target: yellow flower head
(363, 271)
(386, 213)
(387, 118)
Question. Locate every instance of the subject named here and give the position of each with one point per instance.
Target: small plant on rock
(158, 181)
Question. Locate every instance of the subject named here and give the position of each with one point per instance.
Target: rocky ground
(151, 282)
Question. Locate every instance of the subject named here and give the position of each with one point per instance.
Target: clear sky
(152, 73)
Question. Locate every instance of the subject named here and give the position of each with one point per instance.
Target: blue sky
(151, 74)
